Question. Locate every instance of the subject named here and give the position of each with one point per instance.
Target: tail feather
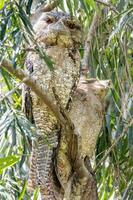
(33, 178)
(42, 167)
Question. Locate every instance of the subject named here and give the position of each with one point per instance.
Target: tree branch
(87, 46)
(25, 78)
(108, 5)
(91, 31)
(43, 8)
(90, 35)
(111, 7)
(50, 6)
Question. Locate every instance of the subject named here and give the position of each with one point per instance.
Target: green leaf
(69, 5)
(28, 6)
(130, 141)
(121, 5)
(76, 3)
(25, 20)
(61, 5)
(6, 121)
(84, 7)
(2, 2)
(91, 3)
(125, 18)
(21, 196)
(36, 193)
(3, 29)
(8, 162)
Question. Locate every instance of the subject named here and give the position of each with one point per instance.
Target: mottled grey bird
(58, 35)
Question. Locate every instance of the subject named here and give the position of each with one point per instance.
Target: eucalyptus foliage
(111, 58)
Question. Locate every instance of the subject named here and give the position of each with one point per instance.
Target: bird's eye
(72, 25)
(49, 20)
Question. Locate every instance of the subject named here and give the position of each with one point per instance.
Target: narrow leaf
(2, 4)
(21, 197)
(8, 162)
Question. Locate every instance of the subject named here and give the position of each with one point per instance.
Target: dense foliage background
(111, 58)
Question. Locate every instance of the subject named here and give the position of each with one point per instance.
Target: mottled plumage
(87, 113)
(59, 36)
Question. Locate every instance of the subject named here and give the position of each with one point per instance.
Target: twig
(108, 5)
(114, 144)
(91, 31)
(111, 7)
(50, 6)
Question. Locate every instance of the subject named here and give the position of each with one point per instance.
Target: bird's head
(58, 28)
(98, 87)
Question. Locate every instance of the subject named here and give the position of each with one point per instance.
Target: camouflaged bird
(86, 113)
(58, 35)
